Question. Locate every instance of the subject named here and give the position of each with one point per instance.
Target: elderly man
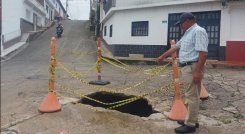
(192, 57)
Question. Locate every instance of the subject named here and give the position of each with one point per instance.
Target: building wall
(102, 12)
(41, 2)
(51, 7)
(17, 18)
(234, 32)
(132, 3)
(29, 16)
(158, 26)
(237, 23)
(11, 19)
(127, 3)
(231, 25)
(59, 9)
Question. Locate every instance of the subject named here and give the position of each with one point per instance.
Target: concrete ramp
(24, 37)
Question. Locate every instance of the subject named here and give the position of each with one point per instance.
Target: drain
(139, 107)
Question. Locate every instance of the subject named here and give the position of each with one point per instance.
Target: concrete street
(24, 84)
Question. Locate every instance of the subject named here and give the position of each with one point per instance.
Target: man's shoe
(185, 129)
(183, 124)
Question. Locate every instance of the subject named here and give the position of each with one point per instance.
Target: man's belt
(186, 63)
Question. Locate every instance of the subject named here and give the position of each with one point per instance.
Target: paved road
(24, 84)
(24, 78)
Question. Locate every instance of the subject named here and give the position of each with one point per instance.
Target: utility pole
(66, 9)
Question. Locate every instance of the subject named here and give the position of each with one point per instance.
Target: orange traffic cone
(203, 94)
(178, 111)
(50, 102)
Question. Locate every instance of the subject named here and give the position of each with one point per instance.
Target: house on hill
(144, 27)
(23, 16)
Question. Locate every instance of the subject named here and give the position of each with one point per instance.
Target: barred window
(140, 28)
(110, 30)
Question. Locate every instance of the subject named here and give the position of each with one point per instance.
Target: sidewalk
(25, 38)
(11, 49)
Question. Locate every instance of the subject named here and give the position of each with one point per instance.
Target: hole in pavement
(139, 107)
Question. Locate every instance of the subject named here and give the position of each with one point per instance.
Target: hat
(184, 17)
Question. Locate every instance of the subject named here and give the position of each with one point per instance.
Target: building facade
(23, 16)
(54, 9)
(26, 16)
(145, 27)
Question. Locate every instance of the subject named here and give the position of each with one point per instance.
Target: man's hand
(197, 77)
(172, 42)
(160, 58)
(169, 52)
(198, 73)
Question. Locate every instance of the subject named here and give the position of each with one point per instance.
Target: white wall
(122, 22)
(237, 24)
(102, 12)
(125, 3)
(130, 3)
(157, 35)
(51, 7)
(11, 18)
(12, 11)
(232, 23)
(58, 8)
(40, 22)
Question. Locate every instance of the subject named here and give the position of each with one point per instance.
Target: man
(192, 57)
(59, 27)
(59, 30)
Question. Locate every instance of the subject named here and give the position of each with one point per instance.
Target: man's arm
(197, 76)
(169, 52)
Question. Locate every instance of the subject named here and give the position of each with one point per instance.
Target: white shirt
(193, 41)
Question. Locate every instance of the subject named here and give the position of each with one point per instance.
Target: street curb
(18, 47)
(12, 51)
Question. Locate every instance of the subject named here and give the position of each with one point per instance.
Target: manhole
(139, 107)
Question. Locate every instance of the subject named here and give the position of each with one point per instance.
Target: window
(110, 30)
(105, 31)
(140, 28)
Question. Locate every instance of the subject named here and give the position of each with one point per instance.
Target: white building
(60, 10)
(145, 26)
(22, 16)
(54, 8)
(19, 16)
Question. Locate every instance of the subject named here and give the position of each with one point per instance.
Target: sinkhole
(139, 107)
